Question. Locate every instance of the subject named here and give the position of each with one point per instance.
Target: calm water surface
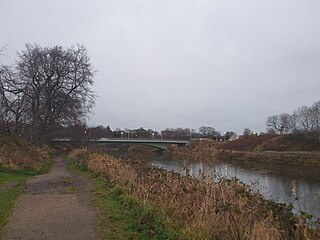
(299, 185)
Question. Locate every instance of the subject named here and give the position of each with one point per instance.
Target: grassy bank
(306, 159)
(19, 161)
(193, 208)
(276, 142)
(122, 217)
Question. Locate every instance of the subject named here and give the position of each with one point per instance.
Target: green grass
(121, 216)
(9, 193)
(12, 185)
(70, 190)
(7, 177)
(67, 180)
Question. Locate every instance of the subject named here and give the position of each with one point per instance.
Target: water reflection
(298, 185)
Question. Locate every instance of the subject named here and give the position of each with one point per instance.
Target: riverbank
(296, 158)
(121, 216)
(199, 208)
(287, 149)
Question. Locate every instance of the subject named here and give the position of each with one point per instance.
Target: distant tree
(315, 118)
(272, 124)
(108, 131)
(279, 123)
(141, 133)
(208, 132)
(99, 132)
(304, 118)
(285, 121)
(117, 133)
(75, 132)
(177, 133)
(294, 124)
(247, 132)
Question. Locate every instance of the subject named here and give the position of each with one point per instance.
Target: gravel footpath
(55, 206)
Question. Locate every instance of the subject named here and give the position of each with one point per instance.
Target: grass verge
(12, 185)
(121, 216)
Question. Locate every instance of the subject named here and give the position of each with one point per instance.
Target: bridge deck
(117, 140)
(159, 144)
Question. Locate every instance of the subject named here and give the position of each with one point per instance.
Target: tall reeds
(204, 208)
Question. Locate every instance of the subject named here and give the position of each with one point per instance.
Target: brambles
(199, 208)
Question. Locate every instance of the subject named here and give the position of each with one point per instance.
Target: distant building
(233, 138)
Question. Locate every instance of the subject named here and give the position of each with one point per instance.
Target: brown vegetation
(17, 154)
(312, 159)
(284, 142)
(200, 208)
(287, 148)
(203, 150)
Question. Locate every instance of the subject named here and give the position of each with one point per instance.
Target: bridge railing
(124, 140)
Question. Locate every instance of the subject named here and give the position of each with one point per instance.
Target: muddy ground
(55, 206)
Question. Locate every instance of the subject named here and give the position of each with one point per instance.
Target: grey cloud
(170, 63)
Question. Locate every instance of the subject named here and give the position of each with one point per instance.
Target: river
(298, 185)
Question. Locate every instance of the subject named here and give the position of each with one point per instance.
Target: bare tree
(54, 86)
(279, 123)
(294, 123)
(315, 118)
(12, 101)
(208, 132)
(304, 119)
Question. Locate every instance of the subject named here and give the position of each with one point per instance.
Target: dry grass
(284, 142)
(204, 150)
(17, 154)
(312, 159)
(252, 148)
(206, 208)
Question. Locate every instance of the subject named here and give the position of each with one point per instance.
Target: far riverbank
(286, 157)
(288, 149)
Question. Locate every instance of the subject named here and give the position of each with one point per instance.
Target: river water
(298, 185)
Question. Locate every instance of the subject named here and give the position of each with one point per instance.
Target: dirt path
(55, 206)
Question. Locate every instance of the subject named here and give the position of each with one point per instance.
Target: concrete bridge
(159, 144)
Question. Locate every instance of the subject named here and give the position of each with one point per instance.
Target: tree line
(80, 132)
(305, 119)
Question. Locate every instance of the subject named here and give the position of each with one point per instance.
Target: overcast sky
(228, 64)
